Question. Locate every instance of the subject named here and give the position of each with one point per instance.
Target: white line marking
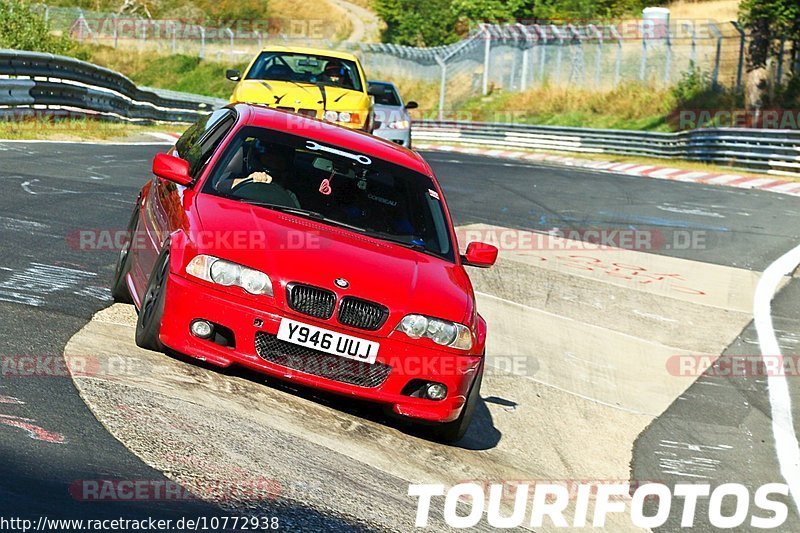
(786, 446)
(103, 143)
(164, 136)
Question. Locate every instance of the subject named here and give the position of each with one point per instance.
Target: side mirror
(480, 255)
(412, 105)
(172, 168)
(233, 74)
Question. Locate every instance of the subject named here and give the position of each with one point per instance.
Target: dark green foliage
(22, 29)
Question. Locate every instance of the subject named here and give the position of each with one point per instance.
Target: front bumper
(187, 300)
(401, 137)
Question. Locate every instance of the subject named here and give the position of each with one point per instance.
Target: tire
(148, 325)
(119, 287)
(450, 432)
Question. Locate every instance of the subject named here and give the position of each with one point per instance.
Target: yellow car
(322, 84)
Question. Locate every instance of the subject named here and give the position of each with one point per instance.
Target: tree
(418, 22)
(766, 21)
(492, 10)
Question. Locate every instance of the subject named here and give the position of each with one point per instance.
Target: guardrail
(757, 150)
(32, 82)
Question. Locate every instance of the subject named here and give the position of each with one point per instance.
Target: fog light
(202, 329)
(436, 391)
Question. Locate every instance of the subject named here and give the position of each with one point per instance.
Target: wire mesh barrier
(492, 58)
(505, 57)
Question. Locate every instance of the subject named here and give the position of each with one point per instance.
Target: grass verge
(79, 129)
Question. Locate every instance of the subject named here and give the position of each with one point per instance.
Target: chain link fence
(510, 57)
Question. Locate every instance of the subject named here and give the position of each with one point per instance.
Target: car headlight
(343, 116)
(439, 331)
(227, 274)
(399, 125)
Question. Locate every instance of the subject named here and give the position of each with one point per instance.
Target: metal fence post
(46, 13)
(717, 56)
(80, 23)
(643, 62)
(442, 85)
(668, 57)
(486, 56)
(144, 33)
(116, 29)
(598, 57)
(258, 34)
(202, 42)
(230, 34)
(526, 51)
(741, 55)
(543, 53)
(779, 75)
(174, 36)
(560, 51)
(577, 68)
(618, 60)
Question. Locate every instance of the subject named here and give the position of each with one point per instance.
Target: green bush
(23, 29)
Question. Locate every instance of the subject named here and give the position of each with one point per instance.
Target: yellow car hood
(300, 96)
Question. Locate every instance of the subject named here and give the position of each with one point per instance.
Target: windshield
(306, 68)
(384, 94)
(331, 184)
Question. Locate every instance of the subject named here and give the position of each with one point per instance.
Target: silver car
(392, 121)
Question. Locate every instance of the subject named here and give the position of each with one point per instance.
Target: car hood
(299, 96)
(295, 249)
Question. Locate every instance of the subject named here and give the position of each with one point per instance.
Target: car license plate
(328, 341)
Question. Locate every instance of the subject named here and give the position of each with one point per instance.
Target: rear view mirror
(480, 255)
(233, 74)
(412, 105)
(325, 165)
(172, 169)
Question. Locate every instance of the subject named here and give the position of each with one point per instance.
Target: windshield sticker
(364, 160)
(325, 187)
(434, 194)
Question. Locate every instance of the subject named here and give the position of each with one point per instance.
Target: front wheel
(119, 285)
(453, 431)
(148, 325)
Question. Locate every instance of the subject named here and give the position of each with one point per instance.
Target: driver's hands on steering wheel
(260, 177)
(255, 177)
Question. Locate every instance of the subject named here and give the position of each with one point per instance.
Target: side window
(199, 142)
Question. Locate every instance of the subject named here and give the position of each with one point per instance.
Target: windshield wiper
(303, 213)
(395, 240)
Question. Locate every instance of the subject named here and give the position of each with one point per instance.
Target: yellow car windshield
(306, 68)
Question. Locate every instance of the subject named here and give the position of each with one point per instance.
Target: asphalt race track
(593, 401)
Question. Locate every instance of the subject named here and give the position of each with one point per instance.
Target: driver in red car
(267, 164)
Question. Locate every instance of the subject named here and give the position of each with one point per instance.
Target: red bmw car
(312, 253)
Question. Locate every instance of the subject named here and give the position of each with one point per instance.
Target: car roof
(325, 132)
(376, 82)
(311, 51)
